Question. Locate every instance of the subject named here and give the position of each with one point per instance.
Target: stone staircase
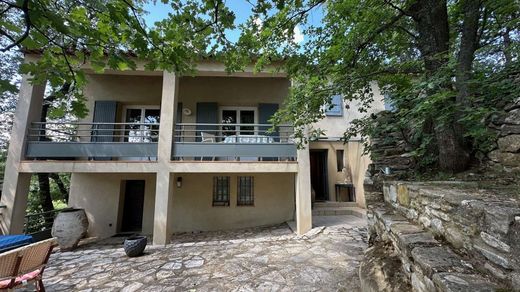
(431, 264)
(338, 209)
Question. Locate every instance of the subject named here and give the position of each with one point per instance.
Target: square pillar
(303, 192)
(164, 179)
(16, 185)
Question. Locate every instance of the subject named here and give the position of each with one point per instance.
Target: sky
(241, 8)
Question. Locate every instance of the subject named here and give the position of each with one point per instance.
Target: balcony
(233, 142)
(92, 141)
(138, 142)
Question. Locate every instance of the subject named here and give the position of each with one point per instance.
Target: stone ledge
(428, 264)
(462, 282)
(479, 223)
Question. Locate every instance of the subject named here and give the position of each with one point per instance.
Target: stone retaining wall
(428, 264)
(507, 125)
(482, 226)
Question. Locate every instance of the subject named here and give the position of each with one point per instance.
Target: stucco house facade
(159, 154)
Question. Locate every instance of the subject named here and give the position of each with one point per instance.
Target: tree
(106, 34)
(432, 57)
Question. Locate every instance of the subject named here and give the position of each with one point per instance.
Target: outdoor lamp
(179, 181)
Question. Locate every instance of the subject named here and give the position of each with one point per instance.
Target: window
(336, 106)
(221, 191)
(146, 120)
(339, 159)
(238, 115)
(389, 104)
(245, 191)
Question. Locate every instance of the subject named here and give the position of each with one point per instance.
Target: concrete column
(164, 184)
(16, 185)
(303, 192)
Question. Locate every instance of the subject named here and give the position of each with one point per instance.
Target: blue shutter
(178, 120)
(105, 111)
(207, 113)
(265, 112)
(337, 106)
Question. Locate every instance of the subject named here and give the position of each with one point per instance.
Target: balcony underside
(153, 167)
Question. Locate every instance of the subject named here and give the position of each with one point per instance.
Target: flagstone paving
(258, 259)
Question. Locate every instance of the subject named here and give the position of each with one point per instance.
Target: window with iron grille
(245, 191)
(221, 191)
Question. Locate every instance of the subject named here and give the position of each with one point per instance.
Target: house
(160, 154)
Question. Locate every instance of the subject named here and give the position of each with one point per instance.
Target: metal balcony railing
(244, 142)
(74, 140)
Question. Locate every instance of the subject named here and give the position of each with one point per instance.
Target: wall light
(179, 181)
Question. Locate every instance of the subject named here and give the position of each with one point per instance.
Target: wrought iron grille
(221, 190)
(245, 191)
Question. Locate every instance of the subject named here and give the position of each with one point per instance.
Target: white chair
(207, 138)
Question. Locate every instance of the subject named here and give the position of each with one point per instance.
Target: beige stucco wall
(146, 90)
(101, 196)
(126, 89)
(353, 160)
(358, 164)
(230, 91)
(193, 210)
(335, 126)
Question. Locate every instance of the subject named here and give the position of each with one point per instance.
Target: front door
(319, 181)
(133, 206)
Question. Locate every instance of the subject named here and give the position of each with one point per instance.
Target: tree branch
(25, 10)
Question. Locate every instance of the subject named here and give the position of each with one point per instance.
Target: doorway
(133, 206)
(319, 178)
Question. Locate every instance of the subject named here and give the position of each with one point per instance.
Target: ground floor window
(221, 191)
(245, 191)
(339, 159)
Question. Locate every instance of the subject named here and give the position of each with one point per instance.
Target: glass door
(146, 128)
(241, 116)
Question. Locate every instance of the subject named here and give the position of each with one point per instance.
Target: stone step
(430, 265)
(334, 204)
(354, 211)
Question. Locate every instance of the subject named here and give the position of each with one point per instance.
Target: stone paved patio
(259, 259)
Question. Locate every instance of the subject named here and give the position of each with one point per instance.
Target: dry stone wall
(507, 125)
(480, 229)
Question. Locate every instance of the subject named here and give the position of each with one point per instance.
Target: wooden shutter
(337, 108)
(105, 111)
(178, 120)
(207, 113)
(265, 112)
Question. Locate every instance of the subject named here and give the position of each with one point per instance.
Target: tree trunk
(468, 46)
(61, 186)
(431, 20)
(45, 195)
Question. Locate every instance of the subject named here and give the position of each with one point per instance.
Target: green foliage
(361, 43)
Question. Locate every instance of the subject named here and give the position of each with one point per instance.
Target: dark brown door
(319, 181)
(133, 206)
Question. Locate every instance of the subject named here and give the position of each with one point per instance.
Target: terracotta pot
(69, 227)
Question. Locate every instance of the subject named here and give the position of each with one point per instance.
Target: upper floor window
(336, 106)
(389, 104)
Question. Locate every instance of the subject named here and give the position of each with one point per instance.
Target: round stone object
(69, 227)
